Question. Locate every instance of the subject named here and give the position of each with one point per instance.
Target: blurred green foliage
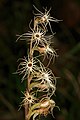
(14, 19)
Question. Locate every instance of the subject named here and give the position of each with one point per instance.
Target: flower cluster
(40, 79)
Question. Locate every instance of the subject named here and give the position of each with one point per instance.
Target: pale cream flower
(27, 66)
(45, 107)
(48, 52)
(45, 18)
(37, 36)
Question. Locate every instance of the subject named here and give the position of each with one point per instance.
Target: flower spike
(40, 80)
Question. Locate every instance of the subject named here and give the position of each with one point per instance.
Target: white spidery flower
(48, 52)
(46, 74)
(45, 18)
(27, 66)
(46, 106)
(37, 36)
(47, 79)
(49, 88)
(28, 99)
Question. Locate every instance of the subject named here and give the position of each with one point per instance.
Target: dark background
(15, 16)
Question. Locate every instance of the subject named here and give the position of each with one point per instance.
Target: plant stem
(28, 82)
(26, 111)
